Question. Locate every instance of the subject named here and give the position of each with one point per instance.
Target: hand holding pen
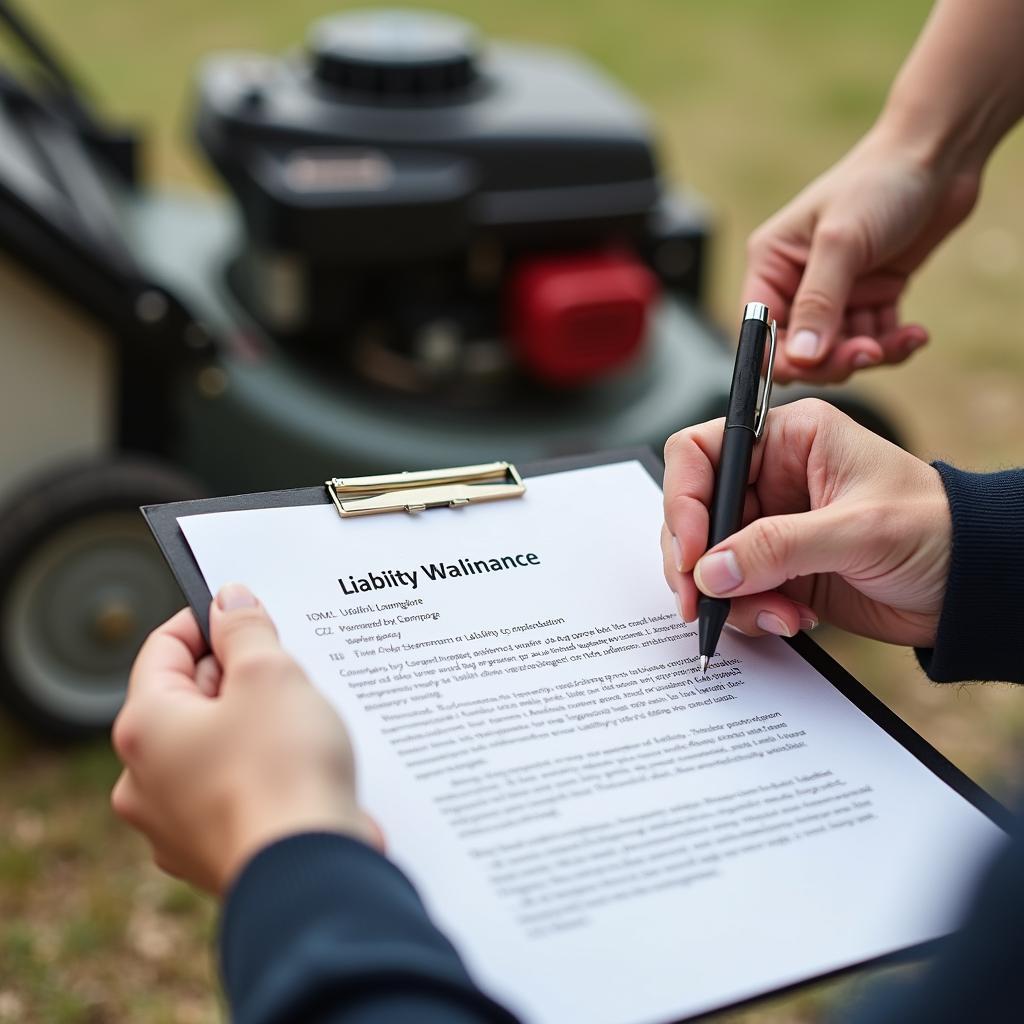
(838, 525)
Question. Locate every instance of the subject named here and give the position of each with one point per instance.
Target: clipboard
(412, 492)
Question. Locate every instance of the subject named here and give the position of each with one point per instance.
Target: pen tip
(704, 659)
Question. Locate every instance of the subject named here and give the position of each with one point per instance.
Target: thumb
(240, 627)
(772, 550)
(821, 298)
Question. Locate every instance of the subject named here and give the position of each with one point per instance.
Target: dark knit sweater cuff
(349, 917)
(981, 628)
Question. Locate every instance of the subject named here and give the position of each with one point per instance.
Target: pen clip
(761, 413)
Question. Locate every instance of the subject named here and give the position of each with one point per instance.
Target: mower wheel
(81, 585)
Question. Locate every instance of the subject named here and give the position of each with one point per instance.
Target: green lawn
(751, 98)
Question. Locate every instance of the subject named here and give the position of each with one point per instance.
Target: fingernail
(718, 573)
(677, 554)
(863, 359)
(736, 629)
(915, 343)
(234, 595)
(771, 623)
(679, 605)
(808, 624)
(803, 345)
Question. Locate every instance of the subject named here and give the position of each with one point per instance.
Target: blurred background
(750, 99)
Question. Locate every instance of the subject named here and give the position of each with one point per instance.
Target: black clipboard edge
(163, 522)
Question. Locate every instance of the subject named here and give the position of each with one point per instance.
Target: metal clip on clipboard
(431, 488)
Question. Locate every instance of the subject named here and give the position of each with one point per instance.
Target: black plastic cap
(395, 53)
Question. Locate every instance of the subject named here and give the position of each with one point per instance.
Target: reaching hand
(833, 264)
(840, 525)
(226, 752)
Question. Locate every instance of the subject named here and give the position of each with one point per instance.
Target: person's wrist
(935, 522)
(250, 832)
(931, 137)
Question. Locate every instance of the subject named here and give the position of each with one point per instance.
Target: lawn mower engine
(432, 252)
(443, 251)
(442, 223)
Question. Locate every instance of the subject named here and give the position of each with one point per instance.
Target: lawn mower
(430, 250)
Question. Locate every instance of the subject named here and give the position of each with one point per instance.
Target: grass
(90, 932)
(751, 98)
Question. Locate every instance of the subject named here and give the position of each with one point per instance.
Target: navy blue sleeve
(321, 929)
(981, 628)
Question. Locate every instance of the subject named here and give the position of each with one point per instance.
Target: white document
(605, 836)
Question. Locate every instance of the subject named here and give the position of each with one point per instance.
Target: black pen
(744, 424)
